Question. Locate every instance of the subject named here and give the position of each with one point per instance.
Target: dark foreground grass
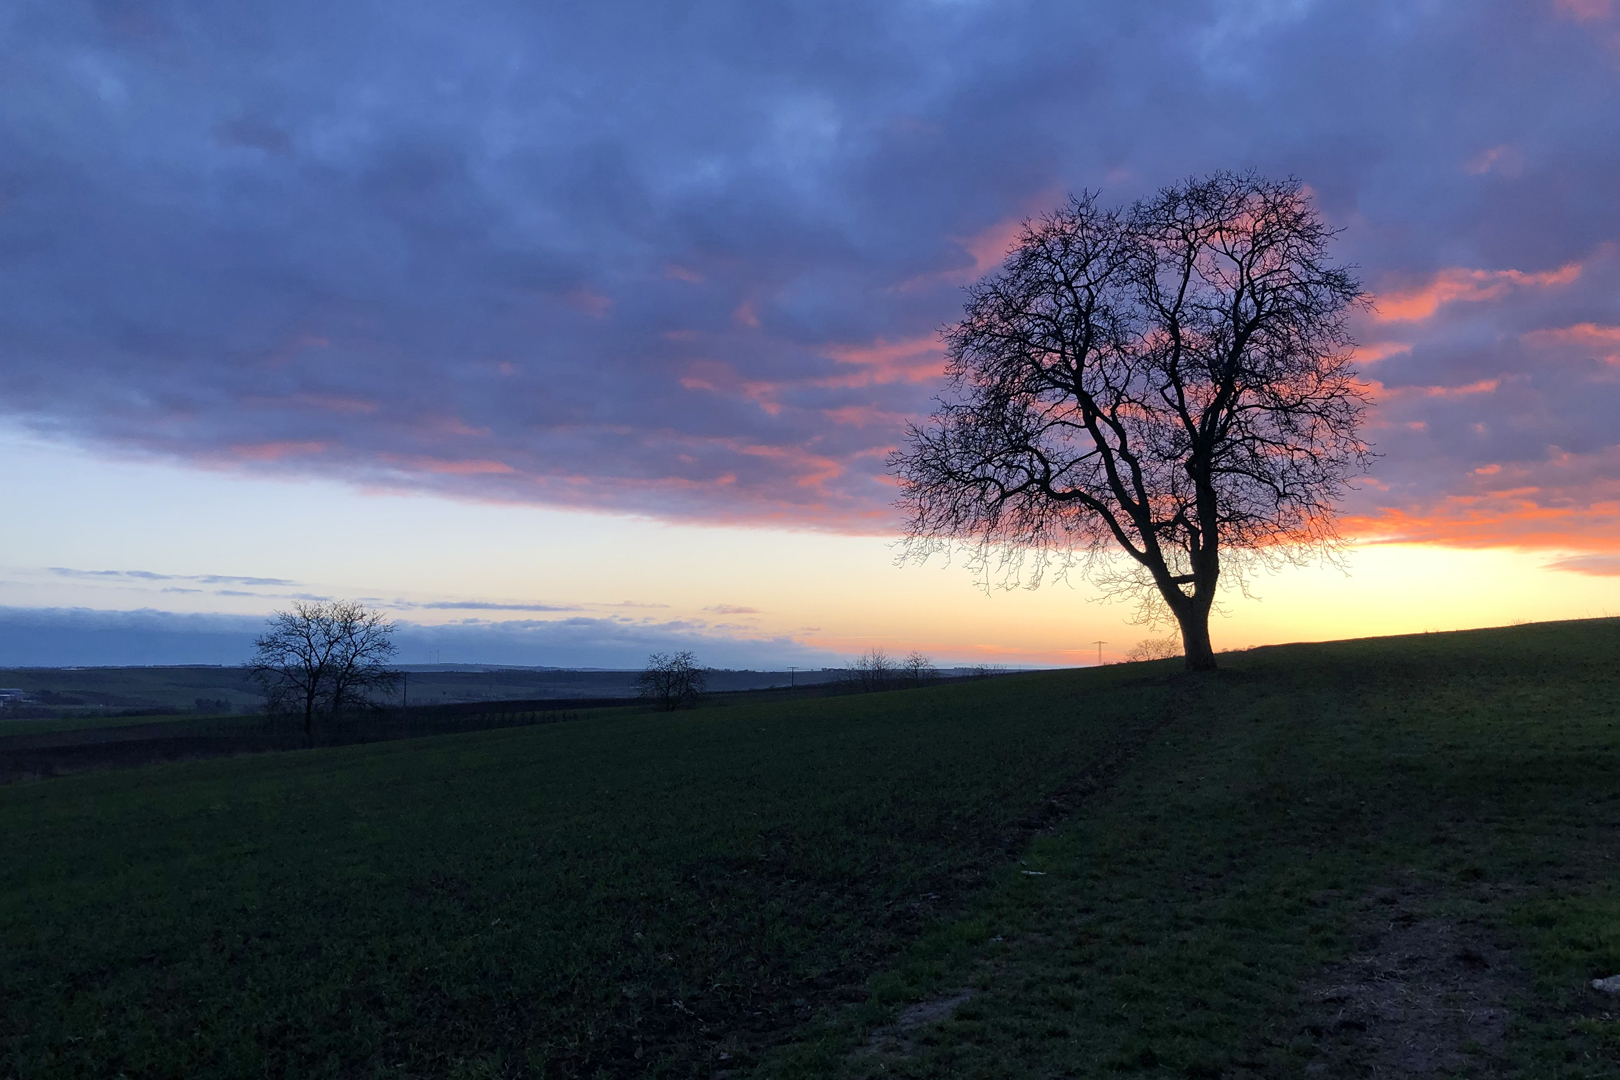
(674, 896)
(625, 895)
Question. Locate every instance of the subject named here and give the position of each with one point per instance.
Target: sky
(570, 332)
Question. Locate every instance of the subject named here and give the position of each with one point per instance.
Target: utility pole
(405, 678)
(793, 677)
(1099, 643)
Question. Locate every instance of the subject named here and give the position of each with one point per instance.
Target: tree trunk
(1195, 646)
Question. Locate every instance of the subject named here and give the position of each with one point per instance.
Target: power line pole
(1099, 643)
(793, 677)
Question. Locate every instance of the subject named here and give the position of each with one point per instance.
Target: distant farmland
(92, 690)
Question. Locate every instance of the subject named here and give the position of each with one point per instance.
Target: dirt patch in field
(1419, 996)
(896, 1038)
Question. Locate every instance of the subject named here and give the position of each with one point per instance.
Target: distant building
(12, 696)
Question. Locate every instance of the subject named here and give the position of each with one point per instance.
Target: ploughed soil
(1419, 995)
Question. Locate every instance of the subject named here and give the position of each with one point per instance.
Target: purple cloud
(690, 261)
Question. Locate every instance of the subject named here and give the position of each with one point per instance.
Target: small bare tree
(321, 658)
(672, 680)
(1155, 648)
(918, 669)
(1172, 381)
(872, 670)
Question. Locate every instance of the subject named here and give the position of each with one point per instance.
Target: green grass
(753, 890)
(536, 899)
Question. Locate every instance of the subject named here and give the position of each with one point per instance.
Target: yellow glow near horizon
(842, 594)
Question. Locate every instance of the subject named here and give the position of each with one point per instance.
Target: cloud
(149, 575)
(457, 253)
(1458, 283)
(474, 605)
(732, 609)
(1607, 565)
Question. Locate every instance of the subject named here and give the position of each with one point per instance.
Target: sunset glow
(372, 320)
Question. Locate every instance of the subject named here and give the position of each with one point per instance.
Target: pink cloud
(589, 301)
(1379, 350)
(988, 248)
(1602, 340)
(1505, 160)
(719, 378)
(911, 360)
(446, 467)
(862, 416)
(1585, 10)
(336, 403)
(1456, 283)
(276, 451)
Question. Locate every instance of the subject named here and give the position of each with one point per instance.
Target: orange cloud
(1379, 350)
(1595, 565)
(1387, 394)
(1456, 283)
(1565, 502)
(1512, 518)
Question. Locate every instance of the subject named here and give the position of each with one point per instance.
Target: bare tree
(1171, 381)
(672, 680)
(321, 658)
(872, 670)
(1155, 648)
(918, 669)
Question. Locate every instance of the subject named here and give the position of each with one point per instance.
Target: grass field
(1367, 858)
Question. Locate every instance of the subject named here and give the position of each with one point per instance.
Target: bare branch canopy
(1170, 381)
(323, 657)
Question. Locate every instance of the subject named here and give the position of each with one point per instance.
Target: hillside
(1386, 856)
(96, 691)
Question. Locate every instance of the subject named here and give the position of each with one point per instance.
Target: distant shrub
(1155, 648)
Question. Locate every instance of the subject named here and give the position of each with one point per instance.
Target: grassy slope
(1477, 774)
(540, 900)
(530, 899)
